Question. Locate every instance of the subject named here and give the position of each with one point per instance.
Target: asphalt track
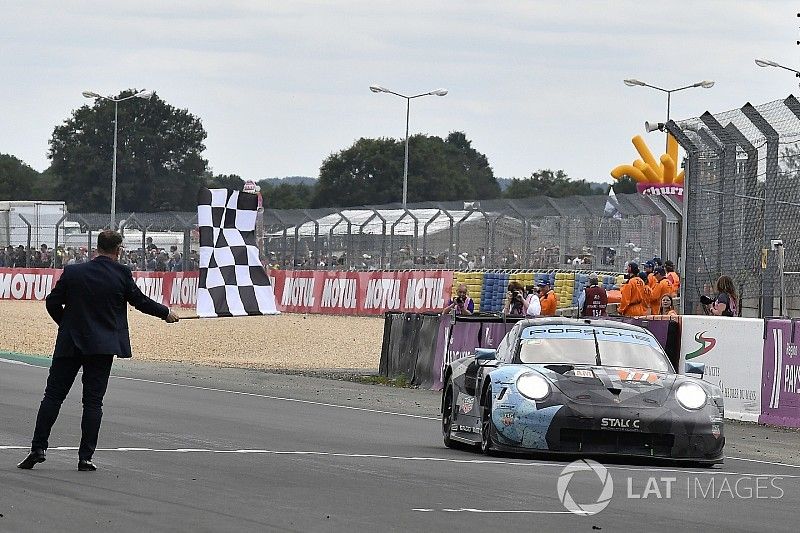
(184, 448)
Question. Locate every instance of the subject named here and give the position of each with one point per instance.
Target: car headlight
(691, 396)
(533, 386)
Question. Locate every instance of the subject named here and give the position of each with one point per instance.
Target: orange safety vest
(635, 298)
(549, 304)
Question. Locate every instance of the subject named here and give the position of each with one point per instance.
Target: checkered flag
(233, 281)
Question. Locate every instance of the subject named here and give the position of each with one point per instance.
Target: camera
(461, 299)
(705, 300)
(517, 296)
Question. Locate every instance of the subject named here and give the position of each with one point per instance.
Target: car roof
(563, 321)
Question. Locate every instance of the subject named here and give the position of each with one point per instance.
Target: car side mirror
(695, 368)
(485, 354)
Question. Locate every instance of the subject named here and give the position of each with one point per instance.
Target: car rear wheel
(487, 427)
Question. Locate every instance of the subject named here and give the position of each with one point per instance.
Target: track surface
(180, 452)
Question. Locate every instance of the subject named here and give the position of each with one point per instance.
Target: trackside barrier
(412, 341)
(174, 289)
(780, 375)
(409, 346)
(733, 352)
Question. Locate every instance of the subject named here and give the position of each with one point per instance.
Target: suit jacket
(89, 304)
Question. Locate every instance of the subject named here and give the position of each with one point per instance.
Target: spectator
(661, 288)
(647, 276)
(667, 306)
(515, 300)
(161, 262)
(635, 294)
(533, 306)
(593, 301)
(462, 304)
(547, 299)
(672, 276)
(176, 262)
(151, 260)
(149, 244)
(46, 257)
(726, 302)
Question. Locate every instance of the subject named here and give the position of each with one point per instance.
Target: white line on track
(487, 511)
(265, 396)
(314, 453)
(787, 465)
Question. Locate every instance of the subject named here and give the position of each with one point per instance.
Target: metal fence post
(30, 236)
(690, 188)
(54, 255)
(770, 186)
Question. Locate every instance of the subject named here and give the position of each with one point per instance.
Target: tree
(625, 185)
(548, 183)
(286, 195)
(159, 161)
(17, 180)
(224, 181)
(371, 172)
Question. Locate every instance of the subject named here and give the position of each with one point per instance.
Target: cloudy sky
(281, 85)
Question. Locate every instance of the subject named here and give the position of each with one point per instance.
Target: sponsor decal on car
(583, 373)
(634, 375)
(507, 419)
(620, 423)
(466, 403)
(715, 430)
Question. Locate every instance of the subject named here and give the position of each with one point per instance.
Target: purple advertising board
(780, 374)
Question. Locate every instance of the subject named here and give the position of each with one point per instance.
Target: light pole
(767, 63)
(705, 84)
(141, 94)
(437, 92)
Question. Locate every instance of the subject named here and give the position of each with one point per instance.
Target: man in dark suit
(89, 304)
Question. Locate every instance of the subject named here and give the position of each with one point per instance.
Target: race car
(579, 386)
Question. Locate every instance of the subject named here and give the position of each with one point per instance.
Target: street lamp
(767, 63)
(141, 94)
(437, 92)
(705, 84)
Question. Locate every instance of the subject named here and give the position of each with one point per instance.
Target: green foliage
(159, 162)
(286, 195)
(224, 181)
(371, 172)
(17, 180)
(548, 183)
(624, 185)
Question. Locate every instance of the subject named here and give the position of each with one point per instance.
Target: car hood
(598, 385)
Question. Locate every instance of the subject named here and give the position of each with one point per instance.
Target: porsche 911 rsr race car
(594, 387)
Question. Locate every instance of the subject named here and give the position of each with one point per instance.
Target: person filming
(726, 303)
(462, 304)
(515, 300)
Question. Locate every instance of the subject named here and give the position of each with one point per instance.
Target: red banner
(174, 289)
(361, 293)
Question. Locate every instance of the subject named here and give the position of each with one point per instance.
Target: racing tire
(487, 427)
(448, 405)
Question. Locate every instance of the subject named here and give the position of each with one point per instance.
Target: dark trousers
(96, 370)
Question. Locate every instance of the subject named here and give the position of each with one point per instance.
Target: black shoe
(85, 465)
(36, 456)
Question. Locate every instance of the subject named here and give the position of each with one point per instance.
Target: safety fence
(754, 362)
(540, 233)
(742, 194)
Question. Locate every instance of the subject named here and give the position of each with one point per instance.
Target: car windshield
(576, 345)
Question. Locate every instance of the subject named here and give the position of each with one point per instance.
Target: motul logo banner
(174, 289)
(361, 293)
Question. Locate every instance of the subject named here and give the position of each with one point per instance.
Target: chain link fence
(743, 197)
(540, 233)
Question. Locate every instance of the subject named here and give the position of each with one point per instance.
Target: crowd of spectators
(151, 258)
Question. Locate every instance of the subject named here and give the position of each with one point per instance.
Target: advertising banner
(780, 382)
(659, 189)
(361, 293)
(733, 351)
(173, 289)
